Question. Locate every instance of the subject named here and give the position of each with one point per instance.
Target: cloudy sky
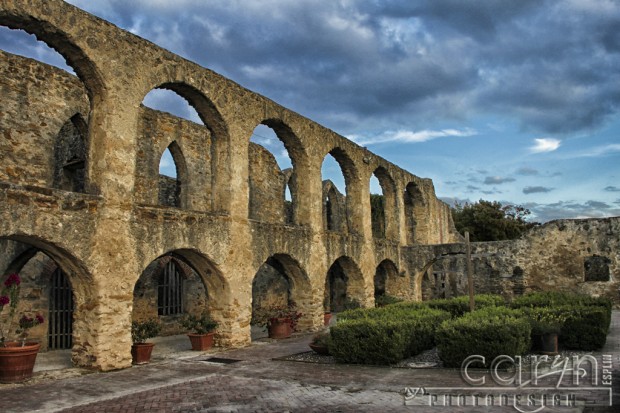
(514, 101)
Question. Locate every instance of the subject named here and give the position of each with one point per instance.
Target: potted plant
(320, 343)
(17, 358)
(140, 332)
(280, 320)
(546, 325)
(201, 330)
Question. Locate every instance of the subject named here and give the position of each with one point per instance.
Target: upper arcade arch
(57, 31)
(354, 223)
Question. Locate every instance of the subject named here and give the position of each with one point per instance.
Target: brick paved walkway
(257, 383)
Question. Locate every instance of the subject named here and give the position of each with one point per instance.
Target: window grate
(170, 289)
(60, 328)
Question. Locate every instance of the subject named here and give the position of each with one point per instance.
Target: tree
(491, 221)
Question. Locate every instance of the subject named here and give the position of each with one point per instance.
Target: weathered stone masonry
(566, 255)
(80, 190)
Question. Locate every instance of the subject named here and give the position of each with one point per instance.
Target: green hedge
(368, 341)
(586, 328)
(460, 305)
(409, 332)
(588, 318)
(488, 332)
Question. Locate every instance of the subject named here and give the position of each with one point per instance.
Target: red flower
(13, 279)
(39, 318)
(4, 300)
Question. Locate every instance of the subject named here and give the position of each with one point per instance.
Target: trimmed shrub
(383, 300)
(587, 318)
(460, 305)
(417, 327)
(488, 332)
(368, 341)
(585, 328)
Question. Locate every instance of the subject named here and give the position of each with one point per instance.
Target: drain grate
(220, 360)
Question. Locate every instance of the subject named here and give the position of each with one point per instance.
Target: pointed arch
(216, 142)
(389, 211)
(415, 213)
(284, 177)
(174, 191)
(352, 219)
(70, 155)
(334, 218)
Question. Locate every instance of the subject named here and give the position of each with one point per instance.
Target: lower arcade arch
(280, 282)
(54, 285)
(177, 283)
(344, 286)
(388, 282)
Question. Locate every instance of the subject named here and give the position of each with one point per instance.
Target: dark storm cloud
(536, 189)
(366, 65)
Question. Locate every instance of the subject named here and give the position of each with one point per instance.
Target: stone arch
(174, 191)
(204, 288)
(344, 285)
(220, 139)
(59, 40)
(390, 210)
(39, 257)
(281, 280)
(278, 178)
(71, 155)
(334, 218)
(350, 172)
(387, 281)
(415, 213)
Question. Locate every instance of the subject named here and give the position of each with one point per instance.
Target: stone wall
(80, 183)
(565, 255)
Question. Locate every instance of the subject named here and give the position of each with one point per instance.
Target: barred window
(170, 290)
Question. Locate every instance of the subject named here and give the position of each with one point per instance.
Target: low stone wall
(565, 255)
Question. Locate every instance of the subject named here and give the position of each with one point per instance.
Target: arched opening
(170, 287)
(344, 286)
(273, 153)
(191, 122)
(414, 213)
(70, 154)
(53, 154)
(388, 282)
(338, 172)
(377, 208)
(383, 208)
(334, 206)
(53, 285)
(280, 282)
(172, 177)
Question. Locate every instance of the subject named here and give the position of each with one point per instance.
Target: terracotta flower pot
(327, 318)
(201, 342)
(17, 362)
(280, 328)
(141, 352)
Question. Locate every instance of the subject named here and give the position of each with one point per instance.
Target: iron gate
(60, 329)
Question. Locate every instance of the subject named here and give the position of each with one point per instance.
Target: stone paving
(258, 382)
